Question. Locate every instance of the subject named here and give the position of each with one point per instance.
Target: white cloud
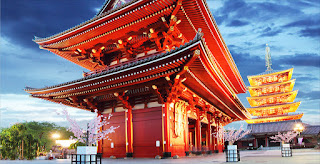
(19, 108)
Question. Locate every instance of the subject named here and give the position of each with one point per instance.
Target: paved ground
(300, 156)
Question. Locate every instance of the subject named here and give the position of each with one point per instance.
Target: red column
(266, 141)
(129, 133)
(254, 142)
(198, 132)
(166, 130)
(101, 141)
(186, 136)
(214, 140)
(209, 134)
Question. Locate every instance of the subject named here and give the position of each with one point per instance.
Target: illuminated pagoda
(272, 96)
(160, 67)
(272, 99)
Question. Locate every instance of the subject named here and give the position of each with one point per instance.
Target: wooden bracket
(124, 99)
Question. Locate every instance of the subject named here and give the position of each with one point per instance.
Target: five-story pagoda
(272, 98)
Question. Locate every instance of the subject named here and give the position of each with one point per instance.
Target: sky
(291, 28)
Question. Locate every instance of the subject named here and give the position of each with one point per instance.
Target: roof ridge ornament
(199, 34)
(268, 59)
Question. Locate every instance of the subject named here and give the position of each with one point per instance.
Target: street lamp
(55, 135)
(298, 128)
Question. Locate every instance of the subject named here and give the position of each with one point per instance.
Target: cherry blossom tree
(93, 133)
(285, 137)
(232, 135)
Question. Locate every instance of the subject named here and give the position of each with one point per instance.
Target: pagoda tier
(269, 78)
(274, 109)
(271, 88)
(189, 62)
(275, 119)
(272, 99)
(123, 32)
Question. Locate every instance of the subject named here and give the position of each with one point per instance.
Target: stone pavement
(299, 156)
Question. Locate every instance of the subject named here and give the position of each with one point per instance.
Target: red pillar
(266, 141)
(129, 133)
(166, 130)
(186, 137)
(101, 141)
(198, 132)
(209, 134)
(254, 142)
(214, 140)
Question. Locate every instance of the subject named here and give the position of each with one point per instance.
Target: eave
(275, 119)
(290, 97)
(263, 111)
(251, 78)
(254, 94)
(193, 13)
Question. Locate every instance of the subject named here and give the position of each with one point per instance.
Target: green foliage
(75, 145)
(25, 140)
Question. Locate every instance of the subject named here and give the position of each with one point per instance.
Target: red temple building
(160, 67)
(272, 99)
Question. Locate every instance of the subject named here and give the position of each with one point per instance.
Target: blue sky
(291, 28)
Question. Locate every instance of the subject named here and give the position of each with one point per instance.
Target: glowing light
(55, 135)
(299, 127)
(65, 143)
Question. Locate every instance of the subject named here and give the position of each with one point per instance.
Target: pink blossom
(231, 135)
(94, 128)
(285, 137)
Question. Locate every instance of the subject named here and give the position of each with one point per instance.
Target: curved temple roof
(194, 14)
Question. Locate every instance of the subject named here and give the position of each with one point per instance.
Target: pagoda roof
(259, 111)
(275, 118)
(253, 83)
(272, 127)
(117, 68)
(116, 23)
(291, 96)
(268, 73)
(193, 57)
(271, 85)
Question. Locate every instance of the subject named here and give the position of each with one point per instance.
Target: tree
(285, 137)
(231, 135)
(16, 142)
(93, 133)
(26, 140)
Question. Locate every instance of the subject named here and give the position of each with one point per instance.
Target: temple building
(160, 67)
(272, 101)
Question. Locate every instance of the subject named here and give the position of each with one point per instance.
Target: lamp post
(299, 128)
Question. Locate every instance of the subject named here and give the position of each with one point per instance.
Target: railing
(232, 155)
(86, 158)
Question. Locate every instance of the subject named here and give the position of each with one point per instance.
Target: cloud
(313, 95)
(308, 59)
(25, 19)
(20, 108)
(269, 32)
(23, 66)
(302, 23)
(237, 23)
(310, 32)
